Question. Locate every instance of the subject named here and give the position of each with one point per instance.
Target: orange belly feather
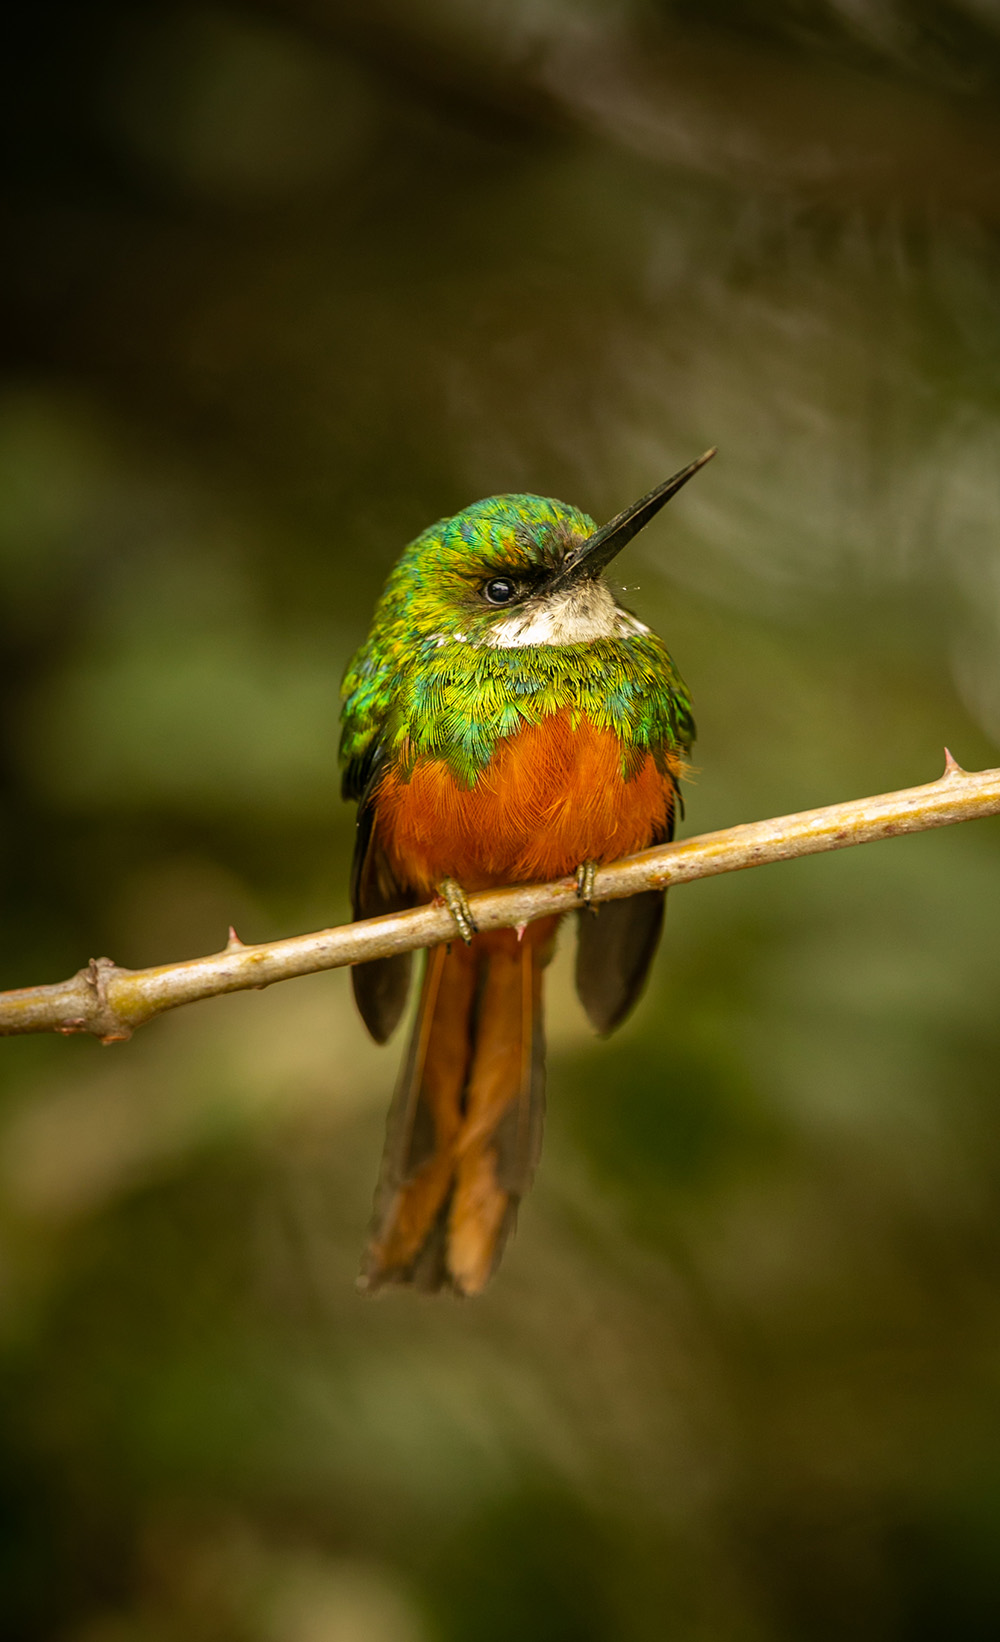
(550, 797)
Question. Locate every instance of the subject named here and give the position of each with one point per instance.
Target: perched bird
(506, 720)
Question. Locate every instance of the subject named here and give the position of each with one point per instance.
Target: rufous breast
(550, 797)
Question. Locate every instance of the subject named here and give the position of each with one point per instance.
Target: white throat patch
(574, 615)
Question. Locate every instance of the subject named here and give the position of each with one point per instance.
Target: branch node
(104, 1022)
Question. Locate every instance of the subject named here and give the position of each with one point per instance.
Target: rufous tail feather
(466, 1121)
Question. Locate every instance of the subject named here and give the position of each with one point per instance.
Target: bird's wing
(381, 985)
(615, 946)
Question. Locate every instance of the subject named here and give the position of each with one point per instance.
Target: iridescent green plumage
(430, 680)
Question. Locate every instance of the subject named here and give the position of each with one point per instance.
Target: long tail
(465, 1125)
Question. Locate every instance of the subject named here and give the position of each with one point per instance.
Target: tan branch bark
(111, 1002)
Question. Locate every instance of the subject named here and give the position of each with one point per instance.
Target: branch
(111, 1002)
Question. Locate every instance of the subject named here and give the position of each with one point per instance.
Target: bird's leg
(455, 899)
(586, 872)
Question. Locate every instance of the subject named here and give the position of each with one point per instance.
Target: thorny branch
(111, 1002)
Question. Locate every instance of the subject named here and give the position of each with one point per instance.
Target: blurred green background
(283, 283)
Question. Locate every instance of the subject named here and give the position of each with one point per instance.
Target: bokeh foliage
(284, 282)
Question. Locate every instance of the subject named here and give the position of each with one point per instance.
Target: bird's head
(514, 571)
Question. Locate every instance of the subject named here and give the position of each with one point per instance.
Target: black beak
(590, 558)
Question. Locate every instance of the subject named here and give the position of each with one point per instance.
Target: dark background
(282, 283)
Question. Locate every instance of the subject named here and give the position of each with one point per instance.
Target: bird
(507, 720)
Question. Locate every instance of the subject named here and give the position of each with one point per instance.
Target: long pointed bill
(598, 550)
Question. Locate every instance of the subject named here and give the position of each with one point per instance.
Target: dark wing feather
(615, 946)
(382, 985)
(614, 949)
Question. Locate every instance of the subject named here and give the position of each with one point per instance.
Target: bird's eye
(500, 590)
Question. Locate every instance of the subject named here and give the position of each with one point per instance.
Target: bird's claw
(456, 900)
(586, 874)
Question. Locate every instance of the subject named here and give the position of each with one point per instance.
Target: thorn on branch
(951, 767)
(234, 944)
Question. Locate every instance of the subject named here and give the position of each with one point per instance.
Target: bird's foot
(456, 900)
(586, 873)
